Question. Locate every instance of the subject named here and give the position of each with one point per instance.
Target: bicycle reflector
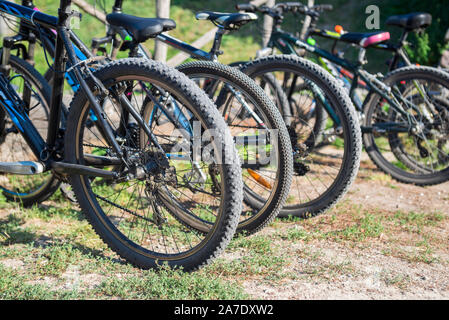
(311, 41)
(339, 29)
(261, 180)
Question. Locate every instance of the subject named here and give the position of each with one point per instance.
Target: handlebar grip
(289, 5)
(248, 7)
(324, 7)
(294, 4)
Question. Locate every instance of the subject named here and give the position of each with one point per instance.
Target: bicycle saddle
(228, 21)
(141, 29)
(410, 21)
(365, 39)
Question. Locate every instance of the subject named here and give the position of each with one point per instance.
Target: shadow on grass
(12, 232)
(97, 254)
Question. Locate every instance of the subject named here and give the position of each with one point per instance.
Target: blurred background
(426, 48)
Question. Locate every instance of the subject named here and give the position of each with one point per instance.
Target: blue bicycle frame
(10, 102)
(66, 44)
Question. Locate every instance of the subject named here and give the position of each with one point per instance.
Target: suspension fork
(338, 73)
(240, 98)
(398, 97)
(8, 44)
(384, 91)
(318, 94)
(401, 53)
(64, 49)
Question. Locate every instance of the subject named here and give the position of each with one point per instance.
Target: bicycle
(405, 123)
(115, 176)
(412, 22)
(241, 102)
(321, 177)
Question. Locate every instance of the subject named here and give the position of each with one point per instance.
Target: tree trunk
(307, 21)
(267, 25)
(91, 10)
(162, 11)
(4, 29)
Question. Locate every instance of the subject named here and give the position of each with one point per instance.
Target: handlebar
(282, 7)
(324, 7)
(247, 7)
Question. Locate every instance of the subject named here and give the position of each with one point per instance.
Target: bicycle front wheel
(35, 93)
(128, 212)
(261, 137)
(321, 176)
(409, 139)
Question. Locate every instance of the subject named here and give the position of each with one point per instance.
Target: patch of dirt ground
(366, 274)
(388, 266)
(374, 189)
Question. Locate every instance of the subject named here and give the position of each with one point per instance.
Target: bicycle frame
(286, 43)
(48, 38)
(196, 53)
(48, 151)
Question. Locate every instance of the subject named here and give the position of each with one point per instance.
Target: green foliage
(420, 52)
(55, 259)
(425, 48)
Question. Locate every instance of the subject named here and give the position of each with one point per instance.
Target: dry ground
(385, 240)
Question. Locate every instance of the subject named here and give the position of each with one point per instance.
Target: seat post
(117, 6)
(215, 50)
(403, 38)
(398, 50)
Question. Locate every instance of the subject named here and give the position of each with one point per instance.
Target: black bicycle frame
(195, 53)
(47, 151)
(81, 53)
(286, 42)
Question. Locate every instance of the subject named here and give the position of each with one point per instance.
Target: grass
(51, 252)
(10, 231)
(169, 284)
(162, 284)
(351, 225)
(51, 244)
(15, 286)
(251, 266)
(417, 220)
(401, 281)
(354, 226)
(48, 256)
(254, 256)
